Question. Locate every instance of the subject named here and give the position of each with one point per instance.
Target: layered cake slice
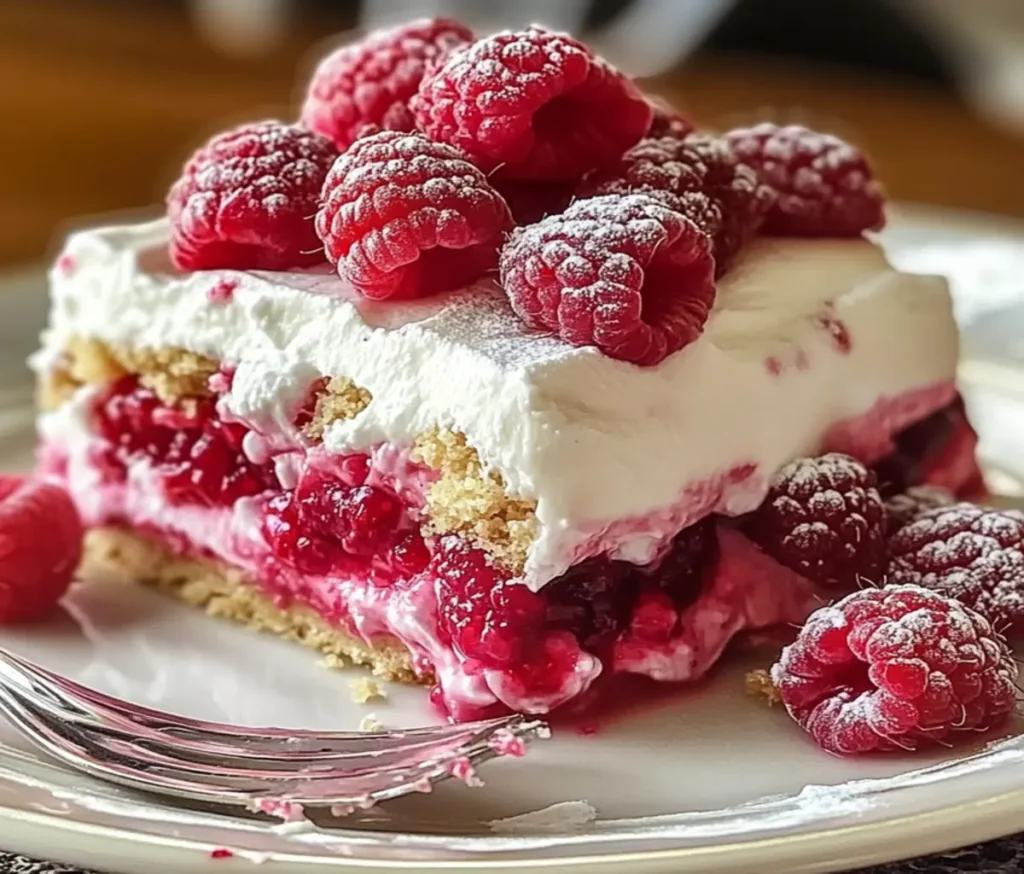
(522, 408)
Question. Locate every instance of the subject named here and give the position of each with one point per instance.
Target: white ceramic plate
(712, 781)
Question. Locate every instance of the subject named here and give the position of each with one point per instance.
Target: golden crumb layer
(174, 375)
(226, 592)
(340, 399)
(466, 498)
(470, 500)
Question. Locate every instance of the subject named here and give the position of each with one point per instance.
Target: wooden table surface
(102, 101)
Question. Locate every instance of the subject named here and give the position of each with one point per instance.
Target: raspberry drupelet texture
(700, 177)
(481, 609)
(247, 198)
(403, 216)
(824, 519)
(40, 547)
(623, 273)
(197, 456)
(824, 185)
(904, 508)
(531, 105)
(366, 86)
(970, 553)
(896, 669)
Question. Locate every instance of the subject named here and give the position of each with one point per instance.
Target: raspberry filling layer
(342, 535)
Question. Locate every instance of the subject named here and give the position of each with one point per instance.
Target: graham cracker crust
(227, 593)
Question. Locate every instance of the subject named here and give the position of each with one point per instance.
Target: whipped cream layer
(805, 335)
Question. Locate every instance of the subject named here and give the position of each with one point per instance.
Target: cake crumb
(468, 499)
(367, 689)
(173, 374)
(332, 662)
(91, 362)
(370, 723)
(339, 400)
(759, 685)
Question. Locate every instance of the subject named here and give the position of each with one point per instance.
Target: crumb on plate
(759, 685)
(366, 689)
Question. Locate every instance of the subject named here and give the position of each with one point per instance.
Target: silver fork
(271, 770)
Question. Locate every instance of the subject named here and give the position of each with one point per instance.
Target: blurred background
(102, 99)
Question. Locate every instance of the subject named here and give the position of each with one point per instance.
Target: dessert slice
(504, 461)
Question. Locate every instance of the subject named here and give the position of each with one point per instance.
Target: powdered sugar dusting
(623, 273)
(393, 196)
(824, 185)
(246, 197)
(824, 518)
(699, 176)
(485, 98)
(915, 502)
(369, 82)
(968, 552)
(905, 668)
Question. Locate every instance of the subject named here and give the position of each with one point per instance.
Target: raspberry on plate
(904, 508)
(403, 217)
(246, 199)
(40, 547)
(531, 105)
(896, 669)
(970, 553)
(366, 85)
(697, 175)
(623, 273)
(824, 185)
(824, 519)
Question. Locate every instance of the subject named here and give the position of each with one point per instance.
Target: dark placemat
(996, 857)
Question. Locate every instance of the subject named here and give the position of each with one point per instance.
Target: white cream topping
(597, 442)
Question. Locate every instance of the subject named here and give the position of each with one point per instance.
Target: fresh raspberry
(623, 273)
(198, 457)
(246, 199)
(700, 177)
(824, 519)
(366, 86)
(484, 612)
(666, 121)
(912, 504)
(40, 547)
(824, 185)
(966, 552)
(895, 669)
(531, 105)
(405, 217)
